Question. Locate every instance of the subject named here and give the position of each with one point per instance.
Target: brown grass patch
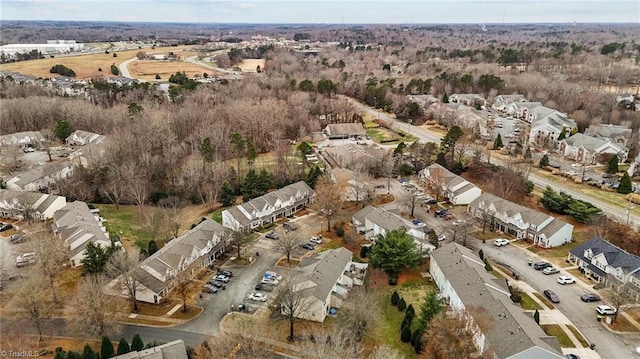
(622, 324)
(383, 199)
(85, 66)
(147, 69)
(544, 300)
(282, 262)
(251, 65)
(192, 312)
(157, 310)
(17, 343)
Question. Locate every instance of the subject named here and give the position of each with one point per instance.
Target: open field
(147, 69)
(86, 66)
(250, 65)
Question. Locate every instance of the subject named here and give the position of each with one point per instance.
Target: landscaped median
(160, 315)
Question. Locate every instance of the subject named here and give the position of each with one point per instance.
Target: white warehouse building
(51, 47)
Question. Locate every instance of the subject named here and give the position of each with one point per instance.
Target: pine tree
(137, 344)
(89, 353)
(59, 355)
(429, 309)
(544, 161)
(106, 349)
(625, 186)
(227, 196)
(416, 340)
(123, 347)
(95, 259)
(249, 188)
(153, 247)
(72, 355)
(264, 182)
(402, 304)
(405, 335)
(562, 135)
(410, 311)
(445, 98)
(481, 254)
(497, 144)
(395, 298)
(536, 317)
(612, 165)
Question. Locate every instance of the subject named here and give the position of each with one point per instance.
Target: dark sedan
(541, 265)
(589, 297)
(553, 297)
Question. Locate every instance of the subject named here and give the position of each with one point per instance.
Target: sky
(329, 11)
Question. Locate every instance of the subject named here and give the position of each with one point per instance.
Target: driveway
(583, 315)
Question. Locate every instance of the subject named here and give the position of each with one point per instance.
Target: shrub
(481, 255)
(536, 317)
(402, 304)
(395, 298)
(340, 232)
(411, 311)
(158, 77)
(406, 322)
(405, 335)
(393, 279)
(137, 344)
(62, 70)
(416, 340)
(364, 251)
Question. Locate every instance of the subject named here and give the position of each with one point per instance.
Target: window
(588, 254)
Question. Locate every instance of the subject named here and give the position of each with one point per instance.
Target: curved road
(124, 69)
(618, 212)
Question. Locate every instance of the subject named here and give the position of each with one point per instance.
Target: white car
(563, 279)
(500, 242)
(258, 297)
(441, 237)
(221, 277)
(317, 240)
(573, 173)
(605, 310)
(25, 259)
(550, 270)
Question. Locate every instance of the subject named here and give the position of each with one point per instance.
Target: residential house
(21, 138)
(501, 102)
(40, 177)
(267, 208)
(423, 100)
(625, 97)
(468, 99)
(22, 205)
(355, 188)
(352, 155)
(454, 188)
(375, 221)
(344, 130)
(464, 283)
(122, 81)
(522, 110)
(78, 226)
(521, 222)
(67, 86)
(606, 263)
(172, 350)
(197, 248)
(547, 129)
(324, 281)
(612, 133)
(589, 150)
(82, 138)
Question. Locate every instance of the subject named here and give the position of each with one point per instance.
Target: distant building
(172, 350)
(21, 205)
(81, 138)
(21, 138)
(609, 132)
(51, 47)
(468, 99)
(40, 177)
(457, 190)
(588, 150)
(345, 130)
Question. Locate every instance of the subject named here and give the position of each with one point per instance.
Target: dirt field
(86, 66)
(147, 69)
(250, 65)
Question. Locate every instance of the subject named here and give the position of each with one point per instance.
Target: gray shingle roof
(616, 256)
(503, 206)
(324, 269)
(512, 331)
(350, 129)
(591, 143)
(362, 214)
(608, 131)
(38, 172)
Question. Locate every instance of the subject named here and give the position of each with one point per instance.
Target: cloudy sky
(330, 11)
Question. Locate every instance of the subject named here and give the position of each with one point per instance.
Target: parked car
(563, 279)
(288, 226)
(25, 259)
(553, 297)
(226, 272)
(430, 201)
(273, 274)
(589, 297)
(541, 265)
(217, 284)
(28, 150)
(441, 212)
(264, 287)
(571, 356)
(500, 242)
(441, 237)
(572, 173)
(272, 235)
(550, 270)
(314, 239)
(308, 246)
(417, 222)
(259, 297)
(5, 226)
(605, 310)
(448, 217)
(222, 278)
(208, 288)
(17, 238)
(270, 280)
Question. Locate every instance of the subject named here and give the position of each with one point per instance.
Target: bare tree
(291, 302)
(93, 309)
(357, 316)
(619, 295)
(451, 334)
(51, 253)
(242, 338)
(330, 343)
(436, 182)
(122, 266)
(287, 243)
(172, 206)
(34, 305)
(385, 352)
(156, 224)
(139, 189)
(411, 200)
(183, 288)
(460, 232)
(328, 198)
(115, 189)
(360, 184)
(238, 239)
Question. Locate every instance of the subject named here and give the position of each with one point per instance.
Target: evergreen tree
(137, 344)
(63, 129)
(416, 340)
(72, 355)
(497, 144)
(206, 150)
(481, 254)
(152, 248)
(612, 165)
(441, 160)
(59, 355)
(106, 349)
(405, 335)
(89, 353)
(445, 98)
(395, 298)
(562, 135)
(96, 258)
(487, 265)
(399, 150)
(264, 182)
(429, 309)
(402, 304)
(249, 188)
(536, 317)
(448, 143)
(227, 196)
(544, 161)
(312, 176)
(252, 152)
(410, 311)
(123, 347)
(625, 185)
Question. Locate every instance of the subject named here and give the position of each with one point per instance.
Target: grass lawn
(147, 69)
(544, 300)
(556, 331)
(370, 124)
(126, 222)
(527, 303)
(390, 331)
(579, 336)
(217, 215)
(556, 254)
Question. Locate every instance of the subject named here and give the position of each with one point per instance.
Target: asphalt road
(583, 315)
(124, 69)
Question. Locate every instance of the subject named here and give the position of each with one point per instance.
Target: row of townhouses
(29, 205)
(455, 189)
